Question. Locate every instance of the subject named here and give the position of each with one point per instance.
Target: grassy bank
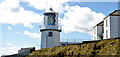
(104, 47)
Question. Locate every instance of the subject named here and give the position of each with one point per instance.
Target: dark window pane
(50, 34)
(49, 19)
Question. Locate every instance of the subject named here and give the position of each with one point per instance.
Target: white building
(108, 28)
(50, 34)
(98, 31)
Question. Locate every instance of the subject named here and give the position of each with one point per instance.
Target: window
(49, 18)
(94, 30)
(106, 22)
(106, 33)
(50, 34)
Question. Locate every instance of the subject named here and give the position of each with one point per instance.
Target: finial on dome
(51, 9)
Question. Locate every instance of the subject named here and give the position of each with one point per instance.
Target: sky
(20, 20)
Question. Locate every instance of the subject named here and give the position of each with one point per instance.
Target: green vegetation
(104, 47)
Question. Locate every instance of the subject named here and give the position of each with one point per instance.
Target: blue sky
(20, 21)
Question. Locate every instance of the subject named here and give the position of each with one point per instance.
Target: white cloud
(80, 19)
(57, 5)
(94, 0)
(9, 50)
(32, 35)
(9, 44)
(9, 28)
(17, 32)
(13, 50)
(12, 13)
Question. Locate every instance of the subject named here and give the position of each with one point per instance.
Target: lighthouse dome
(50, 11)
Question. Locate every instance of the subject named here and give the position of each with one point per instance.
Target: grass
(104, 47)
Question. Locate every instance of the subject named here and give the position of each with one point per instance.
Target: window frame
(106, 33)
(106, 23)
(94, 30)
(50, 34)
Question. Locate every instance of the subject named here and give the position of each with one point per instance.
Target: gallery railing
(74, 40)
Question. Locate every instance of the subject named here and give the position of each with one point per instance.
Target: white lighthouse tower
(50, 33)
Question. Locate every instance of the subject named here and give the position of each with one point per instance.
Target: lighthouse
(50, 34)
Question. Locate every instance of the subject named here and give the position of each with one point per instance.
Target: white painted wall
(95, 33)
(43, 39)
(113, 27)
(51, 41)
(46, 41)
(107, 28)
(98, 32)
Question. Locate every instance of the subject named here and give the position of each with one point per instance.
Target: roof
(27, 48)
(99, 24)
(115, 13)
(50, 11)
(50, 30)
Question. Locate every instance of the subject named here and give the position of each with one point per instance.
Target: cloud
(17, 32)
(9, 28)
(57, 5)
(15, 10)
(9, 44)
(9, 50)
(32, 35)
(94, 0)
(12, 13)
(76, 18)
(13, 50)
(80, 19)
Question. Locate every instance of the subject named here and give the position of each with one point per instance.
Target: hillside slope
(104, 47)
